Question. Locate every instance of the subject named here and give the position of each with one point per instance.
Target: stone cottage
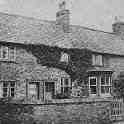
(52, 61)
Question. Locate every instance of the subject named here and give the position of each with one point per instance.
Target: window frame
(37, 83)
(64, 86)
(9, 88)
(92, 94)
(8, 52)
(109, 85)
(64, 57)
(97, 60)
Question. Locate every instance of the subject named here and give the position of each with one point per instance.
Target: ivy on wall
(79, 60)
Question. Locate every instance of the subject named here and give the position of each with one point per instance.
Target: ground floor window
(100, 84)
(105, 84)
(93, 85)
(33, 90)
(49, 90)
(8, 88)
(65, 87)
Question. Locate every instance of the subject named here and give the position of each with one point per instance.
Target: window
(105, 84)
(33, 90)
(97, 60)
(8, 89)
(7, 52)
(64, 57)
(12, 53)
(65, 86)
(100, 85)
(93, 85)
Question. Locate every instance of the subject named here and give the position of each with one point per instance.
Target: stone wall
(73, 113)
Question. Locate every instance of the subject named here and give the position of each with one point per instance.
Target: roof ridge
(28, 17)
(53, 21)
(94, 29)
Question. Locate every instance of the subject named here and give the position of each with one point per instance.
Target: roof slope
(19, 29)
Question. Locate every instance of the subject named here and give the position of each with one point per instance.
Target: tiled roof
(27, 30)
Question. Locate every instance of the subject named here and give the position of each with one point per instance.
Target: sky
(98, 14)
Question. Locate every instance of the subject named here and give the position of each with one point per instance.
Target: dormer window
(97, 59)
(64, 57)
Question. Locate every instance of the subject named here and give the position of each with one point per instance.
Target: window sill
(105, 95)
(67, 101)
(7, 60)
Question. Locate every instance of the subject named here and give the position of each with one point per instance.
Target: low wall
(72, 113)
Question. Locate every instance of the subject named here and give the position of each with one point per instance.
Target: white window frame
(97, 59)
(106, 85)
(63, 86)
(64, 57)
(37, 86)
(7, 51)
(9, 87)
(91, 94)
(14, 53)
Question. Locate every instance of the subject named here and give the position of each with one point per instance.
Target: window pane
(32, 89)
(102, 89)
(5, 84)
(102, 80)
(93, 89)
(12, 92)
(97, 59)
(93, 81)
(105, 89)
(66, 81)
(93, 59)
(12, 84)
(64, 57)
(5, 52)
(107, 80)
(11, 53)
(5, 92)
(0, 51)
(66, 90)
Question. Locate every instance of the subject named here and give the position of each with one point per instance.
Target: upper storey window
(7, 53)
(97, 59)
(64, 57)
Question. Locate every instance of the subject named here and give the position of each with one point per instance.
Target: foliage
(11, 113)
(79, 60)
(119, 87)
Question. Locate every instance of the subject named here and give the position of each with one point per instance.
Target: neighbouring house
(51, 61)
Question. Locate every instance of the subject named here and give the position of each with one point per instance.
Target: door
(49, 90)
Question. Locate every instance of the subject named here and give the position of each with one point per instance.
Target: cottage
(47, 61)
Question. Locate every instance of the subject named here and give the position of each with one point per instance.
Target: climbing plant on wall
(79, 60)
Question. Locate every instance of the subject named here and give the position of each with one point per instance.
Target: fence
(117, 109)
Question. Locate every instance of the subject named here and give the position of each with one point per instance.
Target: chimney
(62, 17)
(118, 26)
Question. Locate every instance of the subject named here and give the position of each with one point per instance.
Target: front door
(49, 90)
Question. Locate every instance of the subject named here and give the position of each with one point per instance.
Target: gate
(117, 109)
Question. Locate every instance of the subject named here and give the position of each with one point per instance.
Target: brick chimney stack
(63, 17)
